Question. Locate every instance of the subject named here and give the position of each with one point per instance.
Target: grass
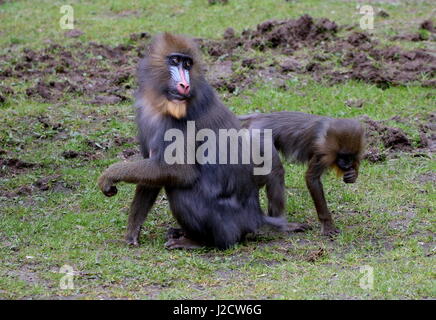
(387, 218)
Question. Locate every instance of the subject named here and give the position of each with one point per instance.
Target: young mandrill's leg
(275, 187)
(141, 205)
(146, 172)
(313, 181)
(274, 183)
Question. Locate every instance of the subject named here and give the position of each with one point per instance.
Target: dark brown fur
(322, 143)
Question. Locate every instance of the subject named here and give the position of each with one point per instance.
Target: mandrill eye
(187, 64)
(174, 60)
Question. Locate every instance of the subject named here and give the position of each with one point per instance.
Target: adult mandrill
(321, 142)
(215, 204)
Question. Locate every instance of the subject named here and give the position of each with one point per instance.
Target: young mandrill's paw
(107, 186)
(329, 231)
(297, 227)
(182, 243)
(132, 240)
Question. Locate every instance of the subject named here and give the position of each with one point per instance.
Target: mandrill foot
(297, 227)
(132, 240)
(329, 231)
(182, 243)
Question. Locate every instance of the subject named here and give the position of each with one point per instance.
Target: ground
(65, 102)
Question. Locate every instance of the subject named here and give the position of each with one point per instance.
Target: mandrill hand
(107, 186)
(350, 176)
(106, 183)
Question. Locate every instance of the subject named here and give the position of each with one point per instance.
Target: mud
(384, 141)
(129, 153)
(383, 14)
(12, 166)
(105, 74)
(393, 139)
(52, 183)
(429, 177)
(101, 73)
(5, 94)
(361, 57)
(316, 255)
(75, 33)
(82, 155)
(426, 32)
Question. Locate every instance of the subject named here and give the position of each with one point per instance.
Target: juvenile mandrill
(215, 204)
(321, 142)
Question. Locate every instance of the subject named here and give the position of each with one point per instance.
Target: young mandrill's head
(170, 71)
(345, 143)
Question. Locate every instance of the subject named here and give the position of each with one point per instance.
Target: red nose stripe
(182, 76)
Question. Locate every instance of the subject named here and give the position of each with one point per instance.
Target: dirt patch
(12, 166)
(105, 74)
(130, 153)
(374, 155)
(425, 33)
(139, 36)
(383, 14)
(5, 94)
(383, 140)
(83, 155)
(288, 35)
(393, 139)
(315, 255)
(27, 274)
(101, 73)
(428, 134)
(429, 177)
(74, 33)
(48, 183)
(359, 55)
(48, 124)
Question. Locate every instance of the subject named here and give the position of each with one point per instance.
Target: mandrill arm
(148, 173)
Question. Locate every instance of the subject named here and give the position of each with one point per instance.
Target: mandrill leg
(141, 205)
(275, 187)
(313, 181)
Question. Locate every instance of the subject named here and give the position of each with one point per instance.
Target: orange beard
(339, 172)
(177, 109)
(162, 105)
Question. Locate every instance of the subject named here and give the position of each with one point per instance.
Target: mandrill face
(179, 86)
(168, 73)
